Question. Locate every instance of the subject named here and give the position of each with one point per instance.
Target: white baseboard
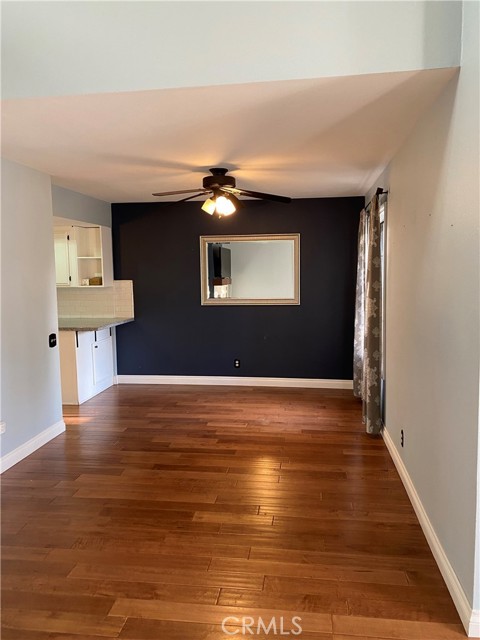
(24, 450)
(470, 618)
(473, 630)
(239, 381)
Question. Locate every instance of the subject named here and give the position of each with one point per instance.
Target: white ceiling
(302, 138)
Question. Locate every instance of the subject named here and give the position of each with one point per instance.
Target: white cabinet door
(102, 362)
(62, 259)
(86, 387)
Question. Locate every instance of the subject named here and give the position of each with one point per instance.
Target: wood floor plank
(23, 553)
(144, 629)
(367, 561)
(98, 605)
(163, 509)
(160, 546)
(303, 570)
(396, 629)
(125, 559)
(79, 624)
(318, 622)
(132, 494)
(102, 589)
(433, 609)
(23, 634)
(324, 603)
(169, 576)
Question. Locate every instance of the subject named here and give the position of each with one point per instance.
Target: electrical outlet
(402, 438)
(236, 363)
(3, 427)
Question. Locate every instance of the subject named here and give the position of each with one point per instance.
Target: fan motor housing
(218, 179)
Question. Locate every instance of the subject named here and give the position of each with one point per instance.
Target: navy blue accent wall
(157, 246)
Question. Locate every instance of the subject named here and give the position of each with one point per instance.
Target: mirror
(262, 269)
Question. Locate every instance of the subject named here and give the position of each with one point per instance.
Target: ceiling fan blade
(167, 205)
(177, 193)
(258, 194)
(202, 193)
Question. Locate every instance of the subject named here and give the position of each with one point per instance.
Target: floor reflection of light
(74, 420)
(266, 461)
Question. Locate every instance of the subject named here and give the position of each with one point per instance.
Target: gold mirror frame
(205, 240)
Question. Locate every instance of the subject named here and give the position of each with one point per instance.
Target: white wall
(262, 269)
(76, 206)
(30, 391)
(433, 313)
(476, 577)
(96, 47)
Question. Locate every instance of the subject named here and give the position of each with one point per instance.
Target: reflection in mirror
(250, 269)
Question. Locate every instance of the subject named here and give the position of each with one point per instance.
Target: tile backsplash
(91, 302)
(123, 298)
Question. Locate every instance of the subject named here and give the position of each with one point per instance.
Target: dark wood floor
(164, 510)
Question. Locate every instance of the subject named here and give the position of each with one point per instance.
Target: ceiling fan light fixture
(224, 206)
(236, 202)
(209, 206)
(224, 200)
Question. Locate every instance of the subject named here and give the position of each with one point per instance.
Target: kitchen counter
(90, 324)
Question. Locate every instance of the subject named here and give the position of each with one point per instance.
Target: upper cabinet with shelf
(83, 256)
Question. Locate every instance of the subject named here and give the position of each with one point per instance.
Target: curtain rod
(379, 192)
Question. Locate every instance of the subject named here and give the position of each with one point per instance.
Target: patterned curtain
(359, 342)
(368, 316)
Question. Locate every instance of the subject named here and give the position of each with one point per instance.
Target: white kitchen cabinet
(83, 256)
(94, 255)
(102, 356)
(86, 364)
(62, 258)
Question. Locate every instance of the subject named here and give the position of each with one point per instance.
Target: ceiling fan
(223, 193)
